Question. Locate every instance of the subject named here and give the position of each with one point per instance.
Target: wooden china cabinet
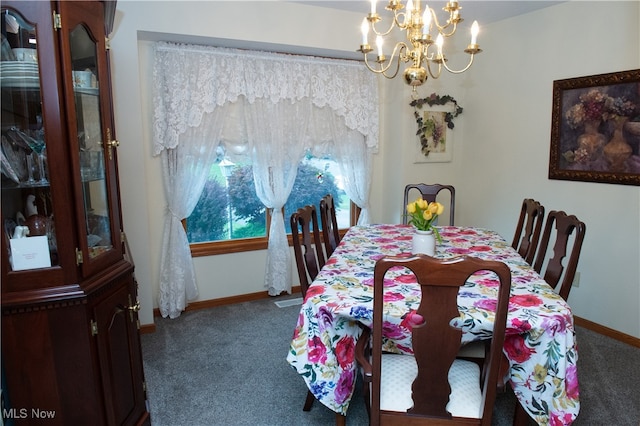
(70, 333)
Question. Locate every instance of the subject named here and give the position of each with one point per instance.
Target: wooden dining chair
(307, 248)
(558, 231)
(432, 385)
(563, 244)
(429, 193)
(330, 232)
(307, 245)
(528, 229)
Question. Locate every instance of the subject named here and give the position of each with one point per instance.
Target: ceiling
(484, 11)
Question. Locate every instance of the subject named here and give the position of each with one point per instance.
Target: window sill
(236, 246)
(250, 244)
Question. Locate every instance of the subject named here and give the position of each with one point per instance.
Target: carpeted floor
(227, 366)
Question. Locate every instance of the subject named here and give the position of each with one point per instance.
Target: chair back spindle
(307, 245)
(429, 192)
(329, 221)
(561, 226)
(528, 229)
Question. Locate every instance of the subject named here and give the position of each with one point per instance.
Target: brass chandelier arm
(373, 18)
(425, 52)
(430, 71)
(451, 22)
(459, 71)
(454, 28)
(398, 55)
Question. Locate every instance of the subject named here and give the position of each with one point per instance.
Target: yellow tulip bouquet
(422, 214)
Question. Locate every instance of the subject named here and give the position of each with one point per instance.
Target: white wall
(501, 141)
(507, 138)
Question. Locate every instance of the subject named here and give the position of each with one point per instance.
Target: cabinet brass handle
(133, 308)
(111, 143)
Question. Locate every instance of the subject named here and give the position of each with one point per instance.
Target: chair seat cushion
(399, 372)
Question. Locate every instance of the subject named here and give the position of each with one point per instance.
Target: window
(229, 217)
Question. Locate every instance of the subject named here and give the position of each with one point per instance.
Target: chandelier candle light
(427, 56)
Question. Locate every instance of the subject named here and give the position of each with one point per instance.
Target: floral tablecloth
(540, 342)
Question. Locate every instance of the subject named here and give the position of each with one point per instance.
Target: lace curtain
(275, 166)
(269, 102)
(350, 151)
(191, 80)
(186, 166)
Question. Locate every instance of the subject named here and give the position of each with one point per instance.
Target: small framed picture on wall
(434, 116)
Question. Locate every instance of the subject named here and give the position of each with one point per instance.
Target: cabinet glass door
(90, 135)
(27, 206)
(91, 141)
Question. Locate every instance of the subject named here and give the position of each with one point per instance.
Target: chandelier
(426, 55)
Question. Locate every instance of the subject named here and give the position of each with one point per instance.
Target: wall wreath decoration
(432, 124)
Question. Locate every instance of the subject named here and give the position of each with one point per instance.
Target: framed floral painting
(595, 129)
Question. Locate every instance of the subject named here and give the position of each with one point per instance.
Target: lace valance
(192, 80)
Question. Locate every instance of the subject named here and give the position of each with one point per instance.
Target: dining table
(540, 341)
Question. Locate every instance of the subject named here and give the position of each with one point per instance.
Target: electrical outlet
(576, 280)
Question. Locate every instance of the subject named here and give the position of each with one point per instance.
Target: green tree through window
(212, 220)
(209, 219)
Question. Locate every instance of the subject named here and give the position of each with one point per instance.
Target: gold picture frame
(595, 129)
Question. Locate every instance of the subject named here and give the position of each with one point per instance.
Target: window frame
(212, 248)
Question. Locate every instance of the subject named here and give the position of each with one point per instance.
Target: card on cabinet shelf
(30, 253)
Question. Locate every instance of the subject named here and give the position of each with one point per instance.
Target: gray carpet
(227, 366)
